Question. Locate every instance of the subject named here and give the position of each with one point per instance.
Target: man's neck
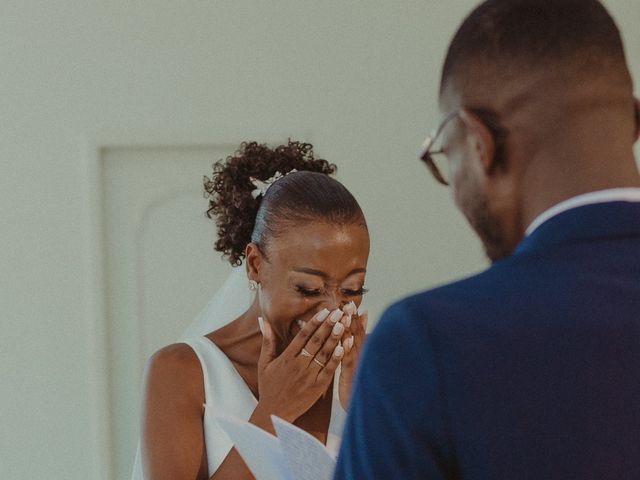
(546, 185)
(591, 198)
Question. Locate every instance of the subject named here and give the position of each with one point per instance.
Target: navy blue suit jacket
(529, 370)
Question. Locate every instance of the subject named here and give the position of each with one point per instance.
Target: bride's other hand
(289, 384)
(353, 341)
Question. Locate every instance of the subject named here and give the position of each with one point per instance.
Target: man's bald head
(534, 42)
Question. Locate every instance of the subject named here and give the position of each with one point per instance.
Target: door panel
(161, 268)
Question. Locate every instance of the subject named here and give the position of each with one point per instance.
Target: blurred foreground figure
(531, 369)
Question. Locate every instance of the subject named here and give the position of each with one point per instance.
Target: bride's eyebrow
(324, 275)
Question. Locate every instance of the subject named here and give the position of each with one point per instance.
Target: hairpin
(263, 185)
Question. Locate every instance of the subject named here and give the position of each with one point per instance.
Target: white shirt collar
(602, 196)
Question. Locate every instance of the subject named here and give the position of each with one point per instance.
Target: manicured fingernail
(348, 343)
(335, 316)
(322, 315)
(347, 321)
(338, 328)
(339, 351)
(365, 319)
(350, 308)
(261, 324)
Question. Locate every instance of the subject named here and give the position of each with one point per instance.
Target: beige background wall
(357, 78)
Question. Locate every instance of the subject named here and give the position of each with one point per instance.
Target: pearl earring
(253, 285)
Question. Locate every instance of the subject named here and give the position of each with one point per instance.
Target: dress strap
(225, 392)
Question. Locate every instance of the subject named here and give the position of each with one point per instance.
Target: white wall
(360, 77)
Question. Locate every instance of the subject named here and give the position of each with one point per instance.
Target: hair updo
(302, 196)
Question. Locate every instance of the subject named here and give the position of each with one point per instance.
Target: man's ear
(253, 262)
(483, 141)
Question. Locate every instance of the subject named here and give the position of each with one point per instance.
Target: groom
(531, 369)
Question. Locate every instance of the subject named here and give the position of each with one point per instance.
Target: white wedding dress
(225, 391)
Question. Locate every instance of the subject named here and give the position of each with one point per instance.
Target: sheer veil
(231, 300)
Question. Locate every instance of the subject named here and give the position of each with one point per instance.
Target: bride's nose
(335, 299)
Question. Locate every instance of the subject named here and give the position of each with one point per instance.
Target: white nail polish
(339, 351)
(261, 324)
(338, 328)
(347, 321)
(350, 308)
(335, 316)
(349, 343)
(322, 315)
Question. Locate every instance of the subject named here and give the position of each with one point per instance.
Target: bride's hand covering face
(316, 266)
(310, 259)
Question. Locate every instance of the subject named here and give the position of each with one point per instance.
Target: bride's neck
(241, 339)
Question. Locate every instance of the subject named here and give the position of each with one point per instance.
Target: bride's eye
(308, 292)
(355, 293)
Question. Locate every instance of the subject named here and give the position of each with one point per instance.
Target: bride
(305, 244)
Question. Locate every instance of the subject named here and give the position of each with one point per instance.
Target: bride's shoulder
(175, 366)
(175, 355)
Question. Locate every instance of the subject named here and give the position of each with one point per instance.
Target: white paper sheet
(260, 450)
(308, 459)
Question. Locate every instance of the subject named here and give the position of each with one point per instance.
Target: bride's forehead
(321, 235)
(322, 246)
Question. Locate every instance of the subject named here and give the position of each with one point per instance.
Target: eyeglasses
(432, 151)
(433, 154)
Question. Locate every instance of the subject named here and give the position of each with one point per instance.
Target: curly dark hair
(242, 219)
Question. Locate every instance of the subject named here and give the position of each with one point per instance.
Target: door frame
(92, 148)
